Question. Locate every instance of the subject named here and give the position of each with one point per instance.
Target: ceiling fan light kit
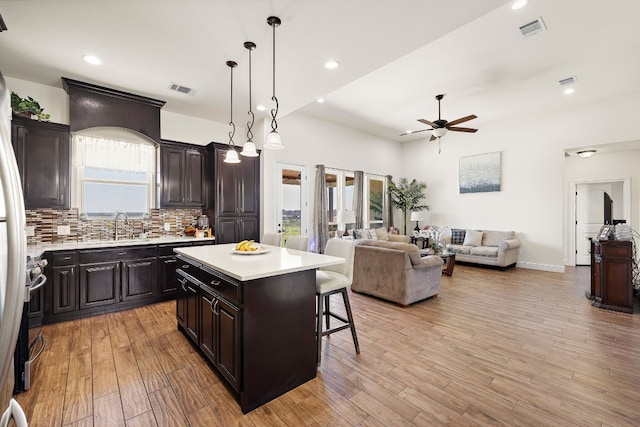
(440, 127)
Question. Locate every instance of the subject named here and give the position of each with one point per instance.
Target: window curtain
(112, 154)
(358, 198)
(321, 222)
(387, 217)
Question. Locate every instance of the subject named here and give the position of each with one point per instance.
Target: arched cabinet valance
(94, 106)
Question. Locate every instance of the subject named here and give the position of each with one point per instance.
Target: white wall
(54, 101)
(309, 141)
(532, 198)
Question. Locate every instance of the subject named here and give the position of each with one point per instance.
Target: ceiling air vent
(180, 88)
(568, 81)
(533, 27)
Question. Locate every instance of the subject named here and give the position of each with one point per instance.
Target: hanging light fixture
(232, 154)
(249, 148)
(274, 141)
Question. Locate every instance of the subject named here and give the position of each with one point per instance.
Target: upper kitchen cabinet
(42, 151)
(182, 172)
(237, 185)
(236, 199)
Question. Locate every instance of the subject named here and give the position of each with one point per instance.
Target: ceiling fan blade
(462, 120)
(414, 131)
(427, 122)
(458, 129)
(433, 138)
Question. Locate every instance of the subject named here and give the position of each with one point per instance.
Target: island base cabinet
(264, 346)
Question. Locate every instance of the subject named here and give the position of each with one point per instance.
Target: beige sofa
(487, 247)
(395, 271)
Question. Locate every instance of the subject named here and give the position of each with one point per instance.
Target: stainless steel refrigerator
(13, 257)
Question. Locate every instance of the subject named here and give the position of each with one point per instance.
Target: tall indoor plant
(407, 196)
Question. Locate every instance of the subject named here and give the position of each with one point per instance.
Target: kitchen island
(252, 316)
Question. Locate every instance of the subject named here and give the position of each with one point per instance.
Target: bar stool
(300, 243)
(332, 280)
(273, 239)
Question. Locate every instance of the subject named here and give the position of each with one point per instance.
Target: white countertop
(37, 250)
(273, 262)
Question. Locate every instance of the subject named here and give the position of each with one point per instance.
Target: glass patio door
(292, 204)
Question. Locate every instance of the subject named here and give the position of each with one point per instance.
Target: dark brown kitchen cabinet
(135, 278)
(189, 304)
(42, 152)
(99, 284)
(64, 284)
(612, 274)
(183, 179)
(237, 197)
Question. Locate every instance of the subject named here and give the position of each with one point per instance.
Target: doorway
(597, 203)
(292, 205)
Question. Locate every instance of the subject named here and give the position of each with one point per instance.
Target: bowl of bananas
(247, 247)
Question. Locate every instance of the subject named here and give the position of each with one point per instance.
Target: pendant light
(232, 154)
(249, 148)
(274, 141)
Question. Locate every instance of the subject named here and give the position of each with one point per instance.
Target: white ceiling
(395, 56)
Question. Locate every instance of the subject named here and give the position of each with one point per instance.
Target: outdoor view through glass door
(292, 201)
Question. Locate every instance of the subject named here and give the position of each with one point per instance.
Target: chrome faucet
(126, 221)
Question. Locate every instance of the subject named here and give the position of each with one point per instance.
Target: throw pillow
(381, 234)
(372, 234)
(457, 236)
(472, 238)
(360, 233)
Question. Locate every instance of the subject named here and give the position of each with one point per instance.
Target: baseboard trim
(542, 267)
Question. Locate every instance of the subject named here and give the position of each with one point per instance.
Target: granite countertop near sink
(37, 250)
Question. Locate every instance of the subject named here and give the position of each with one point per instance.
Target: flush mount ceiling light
(249, 148)
(232, 154)
(92, 59)
(519, 4)
(332, 64)
(586, 153)
(274, 141)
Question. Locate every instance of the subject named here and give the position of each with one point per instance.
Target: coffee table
(449, 262)
(448, 257)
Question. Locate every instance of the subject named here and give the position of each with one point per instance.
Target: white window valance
(112, 154)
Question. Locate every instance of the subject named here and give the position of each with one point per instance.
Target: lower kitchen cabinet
(135, 278)
(188, 300)
(86, 282)
(64, 285)
(99, 284)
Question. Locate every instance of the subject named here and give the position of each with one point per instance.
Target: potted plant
(407, 196)
(27, 107)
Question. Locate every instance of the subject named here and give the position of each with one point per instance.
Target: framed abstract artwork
(480, 173)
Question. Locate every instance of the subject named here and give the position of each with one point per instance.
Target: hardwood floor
(513, 348)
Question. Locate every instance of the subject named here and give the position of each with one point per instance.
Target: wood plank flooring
(512, 348)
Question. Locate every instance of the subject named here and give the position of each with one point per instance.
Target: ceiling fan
(440, 127)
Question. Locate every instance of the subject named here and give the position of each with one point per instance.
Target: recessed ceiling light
(409, 131)
(586, 153)
(519, 4)
(331, 65)
(320, 100)
(91, 59)
(569, 91)
(261, 107)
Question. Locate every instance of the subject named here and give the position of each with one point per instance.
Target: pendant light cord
(232, 132)
(274, 111)
(250, 123)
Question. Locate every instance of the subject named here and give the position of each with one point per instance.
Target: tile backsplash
(46, 223)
